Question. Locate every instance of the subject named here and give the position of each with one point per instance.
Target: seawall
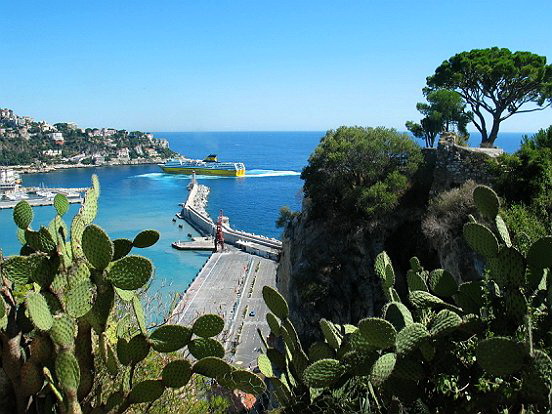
(193, 211)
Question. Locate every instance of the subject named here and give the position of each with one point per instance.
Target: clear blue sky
(179, 65)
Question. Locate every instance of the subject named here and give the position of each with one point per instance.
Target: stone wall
(455, 164)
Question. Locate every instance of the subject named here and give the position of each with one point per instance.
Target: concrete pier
(195, 213)
(230, 285)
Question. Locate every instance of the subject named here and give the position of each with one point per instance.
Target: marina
(11, 192)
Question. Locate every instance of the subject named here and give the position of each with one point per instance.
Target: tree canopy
(445, 109)
(361, 171)
(496, 84)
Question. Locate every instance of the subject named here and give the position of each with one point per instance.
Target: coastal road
(230, 285)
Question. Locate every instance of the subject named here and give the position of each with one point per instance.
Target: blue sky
(247, 65)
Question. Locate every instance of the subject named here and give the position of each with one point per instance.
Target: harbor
(231, 281)
(11, 192)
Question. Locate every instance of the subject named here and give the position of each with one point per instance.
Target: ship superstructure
(209, 166)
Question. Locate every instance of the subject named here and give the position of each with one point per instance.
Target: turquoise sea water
(141, 197)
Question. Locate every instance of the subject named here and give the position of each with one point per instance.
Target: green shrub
(360, 171)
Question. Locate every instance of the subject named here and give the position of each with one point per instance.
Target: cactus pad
(212, 367)
(415, 264)
(67, 371)
(89, 207)
(41, 240)
(61, 204)
(508, 268)
(176, 374)
(39, 311)
(281, 391)
(63, 331)
(170, 338)
(97, 246)
(421, 299)
(23, 214)
(415, 281)
(125, 295)
(503, 231)
(470, 296)
(43, 270)
(122, 353)
(380, 264)
(539, 255)
(410, 338)
(323, 373)
(442, 283)
(32, 379)
(139, 314)
(383, 368)
(137, 348)
(486, 201)
(121, 247)
(146, 391)
(273, 323)
(515, 304)
(265, 366)
(96, 184)
(275, 302)
(445, 321)
(378, 332)
(17, 269)
(330, 333)
(208, 326)
(247, 382)
(131, 272)
(206, 347)
(145, 239)
(41, 348)
(398, 314)
(481, 239)
(79, 299)
(500, 356)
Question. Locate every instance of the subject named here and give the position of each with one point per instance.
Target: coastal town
(28, 145)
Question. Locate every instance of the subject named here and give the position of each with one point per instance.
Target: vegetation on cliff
(474, 347)
(361, 171)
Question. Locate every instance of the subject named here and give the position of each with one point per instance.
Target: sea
(134, 198)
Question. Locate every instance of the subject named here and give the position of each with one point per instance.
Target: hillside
(25, 141)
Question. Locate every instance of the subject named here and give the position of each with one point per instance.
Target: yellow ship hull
(203, 171)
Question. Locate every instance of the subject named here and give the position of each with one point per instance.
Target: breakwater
(195, 213)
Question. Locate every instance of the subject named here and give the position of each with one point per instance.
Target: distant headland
(33, 146)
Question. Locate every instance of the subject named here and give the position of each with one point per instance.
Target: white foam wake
(248, 174)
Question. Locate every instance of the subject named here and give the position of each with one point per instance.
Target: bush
(360, 171)
(448, 212)
(286, 216)
(526, 176)
(524, 225)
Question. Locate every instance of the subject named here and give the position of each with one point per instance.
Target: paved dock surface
(230, 285)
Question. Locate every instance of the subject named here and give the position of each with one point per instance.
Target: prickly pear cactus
(61, 335)
(445, 346)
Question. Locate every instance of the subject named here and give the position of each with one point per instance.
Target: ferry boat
(209, 166)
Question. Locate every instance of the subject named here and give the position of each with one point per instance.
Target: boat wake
(248, 174)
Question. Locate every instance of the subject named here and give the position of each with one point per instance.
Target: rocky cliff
(326, 267)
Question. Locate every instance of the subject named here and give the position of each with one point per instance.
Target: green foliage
(495, 82)
(362, 171)
(58, 317)
(524, 179)
(479, 346)
(444, 110)
(286, 216)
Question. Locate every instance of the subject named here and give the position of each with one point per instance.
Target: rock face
(326, 267)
